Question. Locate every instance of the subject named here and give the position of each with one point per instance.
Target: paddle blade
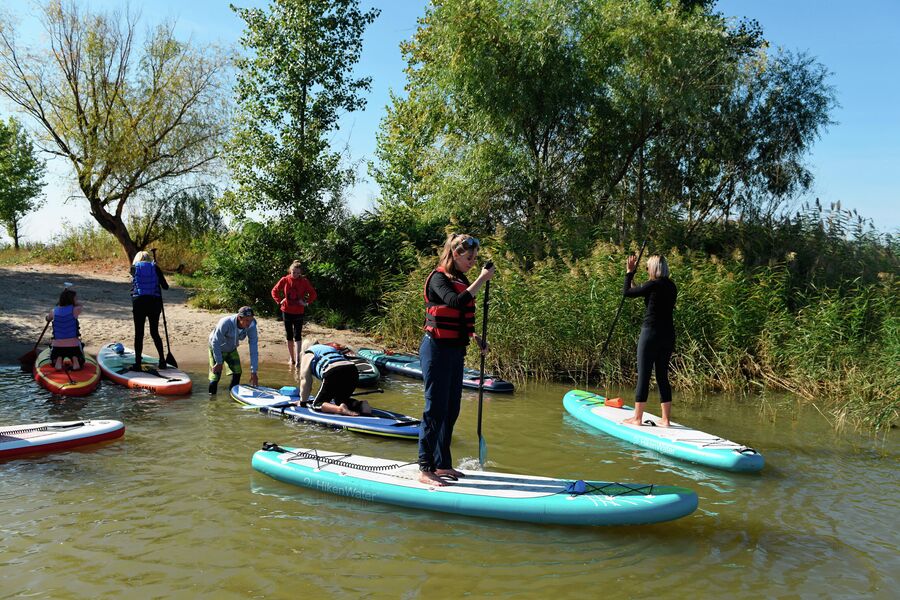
(482, 451)
(170, 360)
(26, 361)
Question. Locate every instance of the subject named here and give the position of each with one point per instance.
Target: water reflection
(174, 508)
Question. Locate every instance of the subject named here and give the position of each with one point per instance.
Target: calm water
(173, 509)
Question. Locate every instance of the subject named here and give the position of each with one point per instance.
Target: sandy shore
(29, 291)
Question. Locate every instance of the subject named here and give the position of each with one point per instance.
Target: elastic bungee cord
(333, 459)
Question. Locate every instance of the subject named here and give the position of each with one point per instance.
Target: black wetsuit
(657, 339)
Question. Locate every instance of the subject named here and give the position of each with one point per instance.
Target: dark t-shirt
(659, 300)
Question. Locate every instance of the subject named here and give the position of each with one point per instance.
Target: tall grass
(735, 330)
(91, 243)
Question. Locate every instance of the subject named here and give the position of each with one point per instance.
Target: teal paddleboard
(678, 440)
(478, 493)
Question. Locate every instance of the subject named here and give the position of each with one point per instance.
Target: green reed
(737, 330)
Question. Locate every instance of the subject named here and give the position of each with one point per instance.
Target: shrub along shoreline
(738, 329)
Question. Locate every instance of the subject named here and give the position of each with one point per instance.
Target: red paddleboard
(67, 382)
(35, 438)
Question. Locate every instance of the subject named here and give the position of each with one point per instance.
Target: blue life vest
(324, 357)
(65, 325)
(145, 283)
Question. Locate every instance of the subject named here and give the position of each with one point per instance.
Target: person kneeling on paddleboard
(223, 343)
(66, 331)
(339, 377)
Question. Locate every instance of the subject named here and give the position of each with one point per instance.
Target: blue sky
(856, 161)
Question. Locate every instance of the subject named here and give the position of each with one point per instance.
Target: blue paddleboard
(382, 422)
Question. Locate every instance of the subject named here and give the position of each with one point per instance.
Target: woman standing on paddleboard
(449, 323)
(146, 304)
(657, 339)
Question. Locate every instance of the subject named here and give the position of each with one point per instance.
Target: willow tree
(130, 116)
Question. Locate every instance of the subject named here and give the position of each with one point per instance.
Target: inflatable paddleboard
(50, 437)
(382, 422)
(409, 365)
(678, 441)
(479, 493)
(67, 382)
(116, 366)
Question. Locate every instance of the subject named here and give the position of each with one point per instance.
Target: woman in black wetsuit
(657, 339)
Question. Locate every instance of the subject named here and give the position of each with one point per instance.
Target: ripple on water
(174, 508)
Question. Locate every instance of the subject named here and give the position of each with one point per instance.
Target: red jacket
(289, 291)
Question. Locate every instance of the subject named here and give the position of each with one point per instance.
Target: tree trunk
(114, 224)
(14, 230)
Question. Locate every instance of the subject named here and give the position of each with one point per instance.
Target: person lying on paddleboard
(293, 293)
(223, 344)
(146, 304)
(66, 343)
(449, 323)
(339, 377)
(657, 339)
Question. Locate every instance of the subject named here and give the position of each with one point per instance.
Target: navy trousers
(442, 369)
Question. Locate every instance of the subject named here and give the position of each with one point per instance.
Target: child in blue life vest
(146, 304)
(66, 343)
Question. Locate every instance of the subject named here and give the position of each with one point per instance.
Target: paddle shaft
(169, 358)
(612, 327)
(482, 444)
(26, 361)
(37, 343)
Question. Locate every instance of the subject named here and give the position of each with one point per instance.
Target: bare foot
(450, 473)
(632, 421)
(429, 478)
(345, 410)
(663, 423)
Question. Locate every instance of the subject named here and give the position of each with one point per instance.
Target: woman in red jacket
(293, 293)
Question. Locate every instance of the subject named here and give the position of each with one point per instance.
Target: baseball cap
(245, 311)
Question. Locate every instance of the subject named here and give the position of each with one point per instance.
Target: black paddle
(26, 361)
(169, 358)
(482, 444)
(621, 303)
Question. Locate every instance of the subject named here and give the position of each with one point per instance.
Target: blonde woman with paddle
(449, 324)
(657, 340)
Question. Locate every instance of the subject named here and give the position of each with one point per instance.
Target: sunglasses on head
(470, 243)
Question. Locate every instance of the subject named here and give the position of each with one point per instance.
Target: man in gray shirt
(223, 344)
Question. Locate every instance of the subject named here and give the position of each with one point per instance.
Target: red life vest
(445, 323)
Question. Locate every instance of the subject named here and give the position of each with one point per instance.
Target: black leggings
(293, 326)
(146, 307)
(654, 352)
